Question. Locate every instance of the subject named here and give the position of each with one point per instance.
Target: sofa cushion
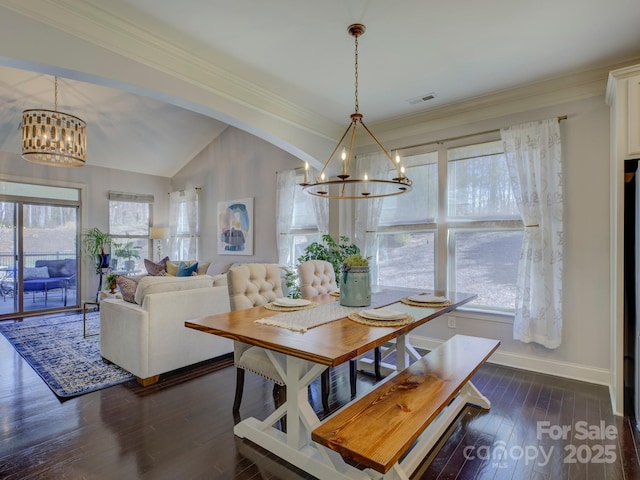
(172, 267)
(149, 285)
(35, 272)
(155, 269)
(185, 270)
(128, 286)
(65, 267)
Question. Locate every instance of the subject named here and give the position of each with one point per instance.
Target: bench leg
(468, 394)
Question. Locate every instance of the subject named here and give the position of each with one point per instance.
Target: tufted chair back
(316, 277)
(254, 284)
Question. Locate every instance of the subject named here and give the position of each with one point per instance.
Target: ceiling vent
(421, 99)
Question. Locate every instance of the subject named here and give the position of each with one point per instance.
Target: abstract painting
(235, 227)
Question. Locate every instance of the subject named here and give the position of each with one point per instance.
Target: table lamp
(157, 234)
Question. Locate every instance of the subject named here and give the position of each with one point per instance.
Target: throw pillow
(35, 272)
(128, 287)
(156, 269)
(185, 270)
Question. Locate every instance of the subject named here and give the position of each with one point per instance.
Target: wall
(585, 349)
(237, 165)
(96, 183)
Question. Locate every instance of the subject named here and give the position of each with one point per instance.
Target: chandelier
(343, 185)
(54, 138)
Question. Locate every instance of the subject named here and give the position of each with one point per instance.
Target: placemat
(406, 301)
(278, 308)
(381, 323)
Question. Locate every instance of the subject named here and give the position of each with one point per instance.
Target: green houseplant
(110, 282)
(127, 252)
(97, 245)
(330, 251)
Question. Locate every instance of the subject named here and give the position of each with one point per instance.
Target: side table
(96, 307)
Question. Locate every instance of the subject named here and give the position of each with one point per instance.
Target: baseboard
(572, 371)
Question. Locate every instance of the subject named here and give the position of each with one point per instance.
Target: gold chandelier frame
(338, 187)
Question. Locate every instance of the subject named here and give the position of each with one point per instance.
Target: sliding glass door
(39, 234)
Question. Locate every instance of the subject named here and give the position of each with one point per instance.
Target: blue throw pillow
(187, 271)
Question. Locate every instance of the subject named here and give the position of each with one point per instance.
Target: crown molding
(94, 24)
(515, 100)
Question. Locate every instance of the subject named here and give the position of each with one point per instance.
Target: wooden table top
(330, 344)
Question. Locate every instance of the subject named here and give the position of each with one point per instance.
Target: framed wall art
(235, 227)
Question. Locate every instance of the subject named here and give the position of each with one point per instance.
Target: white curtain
(533, 154)
(184, 224)
(375, 165)
(321, 212)
(285, 196)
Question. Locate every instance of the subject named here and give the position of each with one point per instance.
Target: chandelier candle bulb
(306, 172)
(365, 187)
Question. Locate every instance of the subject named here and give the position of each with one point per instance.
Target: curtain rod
(194, 188)
(451, 139)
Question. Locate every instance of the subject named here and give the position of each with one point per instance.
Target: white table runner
(302, 320)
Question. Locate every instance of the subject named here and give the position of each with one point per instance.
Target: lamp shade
(158, 233)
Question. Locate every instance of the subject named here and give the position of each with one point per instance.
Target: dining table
(301, 355)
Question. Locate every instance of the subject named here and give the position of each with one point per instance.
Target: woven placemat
(381, 323)
(406, 301)
(278, 308)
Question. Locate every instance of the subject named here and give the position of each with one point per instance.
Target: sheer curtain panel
(184, 224)
(368, 211)
(534, 159)
(285, 196)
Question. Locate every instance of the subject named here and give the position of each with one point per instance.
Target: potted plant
(97, 245)
(127, 252)
(110, 283)
(330, 251)
(355, 288)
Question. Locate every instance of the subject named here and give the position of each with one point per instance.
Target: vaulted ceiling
(288, 62)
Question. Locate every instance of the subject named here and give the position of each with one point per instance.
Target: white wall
(237, 165)
(96, 183)
(584, 352)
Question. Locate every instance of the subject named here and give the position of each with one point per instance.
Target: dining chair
(317, 277)
(251, 285)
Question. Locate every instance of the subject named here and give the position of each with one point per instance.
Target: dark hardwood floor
(182, 428)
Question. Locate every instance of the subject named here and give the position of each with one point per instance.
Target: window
(406, 234)
(129, 221)
(485, 230)
(466, 239)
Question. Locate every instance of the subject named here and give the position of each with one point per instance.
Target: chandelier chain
(356, 82)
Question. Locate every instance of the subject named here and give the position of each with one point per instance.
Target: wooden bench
(376, 430)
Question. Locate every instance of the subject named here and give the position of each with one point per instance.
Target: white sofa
(148, 338)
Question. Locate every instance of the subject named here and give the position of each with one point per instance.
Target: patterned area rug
(55, 347)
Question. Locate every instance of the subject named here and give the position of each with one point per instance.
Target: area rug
(55, 347)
